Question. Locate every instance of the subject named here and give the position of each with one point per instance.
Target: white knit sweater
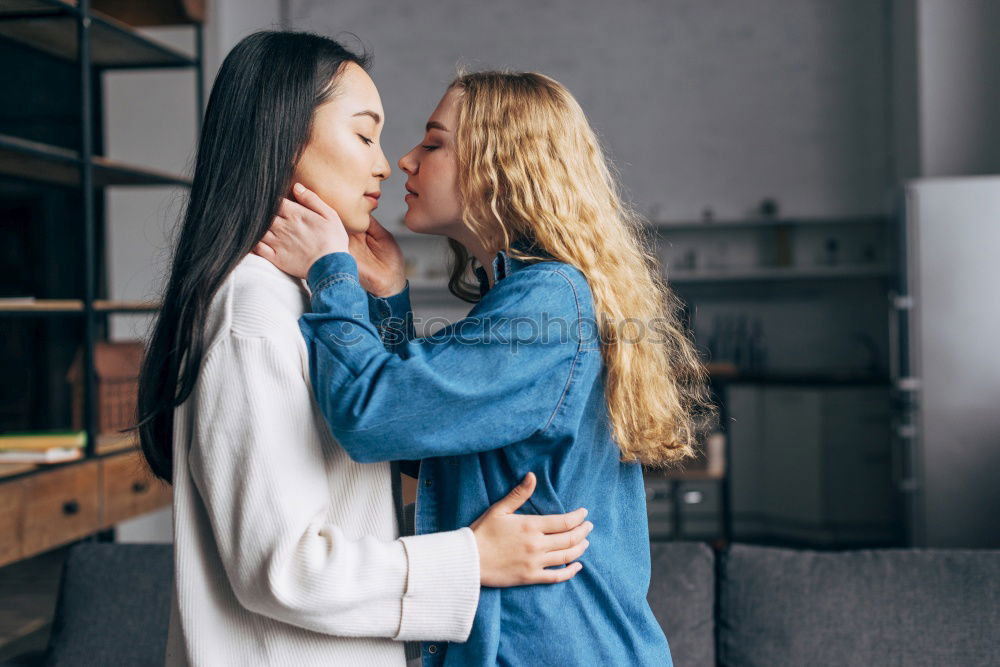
(286, 550)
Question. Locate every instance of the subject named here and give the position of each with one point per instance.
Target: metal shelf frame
(96, 43)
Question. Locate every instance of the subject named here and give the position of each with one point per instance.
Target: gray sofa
(749, 606)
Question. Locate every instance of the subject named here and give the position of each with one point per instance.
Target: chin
(415, 225)
(357, 224)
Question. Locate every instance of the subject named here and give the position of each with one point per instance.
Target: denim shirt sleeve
(393, 319)
(487, 381)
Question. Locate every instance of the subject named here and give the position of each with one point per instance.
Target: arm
(393, 319)
(267, 495)
(457, 392)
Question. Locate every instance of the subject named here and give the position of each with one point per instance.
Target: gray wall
(958, 58)
(701, 104)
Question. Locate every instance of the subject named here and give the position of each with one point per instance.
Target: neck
(476, 248)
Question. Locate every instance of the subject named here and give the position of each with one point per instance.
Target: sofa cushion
(114, 605)
(867, 607)
(682, 596)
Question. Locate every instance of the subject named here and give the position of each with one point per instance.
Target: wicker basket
(117, 368)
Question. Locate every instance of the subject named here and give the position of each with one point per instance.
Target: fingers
(559, 541)
(559, 523)
(558, 575)
(264, 250)
(292, 209)
(517, 496)
(313, 201)
(565, 556)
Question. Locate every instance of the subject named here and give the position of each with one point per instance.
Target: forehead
(356, 92)
(445, 111)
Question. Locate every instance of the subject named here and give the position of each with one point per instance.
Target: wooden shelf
(41, 306)
(50, 26)
(36, 161)
(126, 306)
(69, 306)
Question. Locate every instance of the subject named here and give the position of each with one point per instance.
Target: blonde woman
(573, 362)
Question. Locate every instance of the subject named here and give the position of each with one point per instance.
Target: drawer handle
(71, 507)
(140, 487)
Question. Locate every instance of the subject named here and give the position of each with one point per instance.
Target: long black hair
(257, 124)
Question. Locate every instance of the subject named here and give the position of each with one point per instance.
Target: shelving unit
(762, 223)
(53, 27)
(51, 505)
(817, 287)
(30, 160)
(778, 273)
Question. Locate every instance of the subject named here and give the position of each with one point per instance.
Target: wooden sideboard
(48, 508)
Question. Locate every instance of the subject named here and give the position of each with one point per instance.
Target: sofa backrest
(114, 605)
(908, 607)
(682, 596)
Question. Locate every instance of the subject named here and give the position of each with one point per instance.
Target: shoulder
(257, 300)
(552, 286)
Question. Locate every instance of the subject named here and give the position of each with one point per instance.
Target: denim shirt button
(432, 649)
(428, 483)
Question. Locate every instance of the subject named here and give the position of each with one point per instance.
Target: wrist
(330, 266)
(389, 289)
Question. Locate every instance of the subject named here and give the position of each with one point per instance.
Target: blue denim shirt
(516, 386)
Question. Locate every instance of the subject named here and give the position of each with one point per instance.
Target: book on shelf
(43, 440)
(53, 455)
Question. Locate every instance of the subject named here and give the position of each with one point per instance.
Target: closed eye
(429, 148)
(366, 139)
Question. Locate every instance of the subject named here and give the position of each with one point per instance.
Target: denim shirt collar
(504, 264)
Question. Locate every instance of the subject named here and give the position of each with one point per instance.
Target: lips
(411, 191)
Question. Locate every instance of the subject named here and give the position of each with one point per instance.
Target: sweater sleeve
(261, 468)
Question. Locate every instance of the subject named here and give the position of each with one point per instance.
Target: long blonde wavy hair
(531, 166)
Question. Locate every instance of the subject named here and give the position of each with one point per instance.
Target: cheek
(337, 174)
(445, 185)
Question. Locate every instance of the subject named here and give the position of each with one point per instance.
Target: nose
(382, 168)
(408, 163)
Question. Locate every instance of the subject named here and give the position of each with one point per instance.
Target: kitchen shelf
(763, 223)
(763, 274)
(50, 26)
(36, 161)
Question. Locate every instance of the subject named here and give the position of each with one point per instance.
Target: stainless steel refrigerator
(947, 362)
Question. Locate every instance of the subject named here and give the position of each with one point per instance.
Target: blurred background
(821, 180)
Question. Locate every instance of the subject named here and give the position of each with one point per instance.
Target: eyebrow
(368, 112)
(434, 125)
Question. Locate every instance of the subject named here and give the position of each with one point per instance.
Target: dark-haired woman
(287, 551)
